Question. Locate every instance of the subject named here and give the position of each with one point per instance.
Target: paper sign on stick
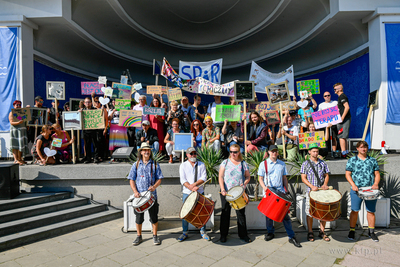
(57, 142)
(311, 86)
(121, 93)
(89, 87)
(108, 91)
(21, 114)
(93, 119)
(303, 94)
(323, 117)
(307, 138)
(174, 94)
(130, 118)
(154, 89)
(124, 79)
(121, 86)
(137, 86)
(122, 104)
(153, 111)
(272, 117)
(229, 112)
(102, 79)
(265, 106)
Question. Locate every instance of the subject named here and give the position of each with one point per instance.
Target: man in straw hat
(315, 175)
(192, 173)
(146, 175)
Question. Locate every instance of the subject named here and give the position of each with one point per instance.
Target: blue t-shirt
(362, 171)
(307, 113)
(273, 177)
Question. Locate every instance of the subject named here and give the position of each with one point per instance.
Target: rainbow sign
(130, 118)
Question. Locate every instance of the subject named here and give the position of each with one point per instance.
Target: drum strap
(243, 178)
(195, 172)
(315, 173)
(266, 170)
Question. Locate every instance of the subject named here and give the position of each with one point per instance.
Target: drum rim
(327, 203)
(286, 199)
(243, 191)
(144, 193)
(197, 198)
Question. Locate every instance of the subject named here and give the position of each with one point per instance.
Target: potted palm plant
(211, 160)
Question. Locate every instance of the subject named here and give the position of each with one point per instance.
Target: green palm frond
(157, 157)
(254, 159)
(295, 167)
(211, 160)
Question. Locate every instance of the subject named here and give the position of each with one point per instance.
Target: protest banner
(311, 86)
(265, 106)
(307, 138)
(272, 117)
(170, 74)
(130, 118)
(210, 70)
(202, 86)
(93, 119)
(72, 120)
(21, 114)
(57, 142)
(89, 87)
(174, 94)
(122, 104)
(121, 93)
(153, 111)
(323, 117)
(227, 112)
(277, 93)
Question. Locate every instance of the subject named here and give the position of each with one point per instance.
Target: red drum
(144, 202)
(197, 209)
(275, 205)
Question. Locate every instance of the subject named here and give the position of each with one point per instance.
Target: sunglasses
(41, 101)
(196, 124)
(326, 95)
(193, 154)
(234, 152)
(18, 105)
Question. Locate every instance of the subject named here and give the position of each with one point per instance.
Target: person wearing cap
(211, 135)
(291, 133)
(192, 174)
(315, 175)
(145, 175)
(273, 173)
(148, 135)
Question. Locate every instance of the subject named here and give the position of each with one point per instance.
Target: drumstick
(329, 188)
(204, 183)
(226, 195)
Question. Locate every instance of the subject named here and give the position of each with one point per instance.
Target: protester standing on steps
(344, 126)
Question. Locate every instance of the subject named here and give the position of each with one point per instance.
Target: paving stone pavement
(106, 245)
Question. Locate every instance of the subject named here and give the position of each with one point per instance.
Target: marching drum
(325, 204)
(197, 209)
(144, 202)
(275, 205)
(237, 197)
(367, 193)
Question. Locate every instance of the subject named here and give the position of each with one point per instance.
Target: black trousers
(153, 214)
(225, 219)
(90, 137)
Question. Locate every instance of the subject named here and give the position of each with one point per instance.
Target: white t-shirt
(187, 174)
(325, 105)
(211, 110)
(294, 130)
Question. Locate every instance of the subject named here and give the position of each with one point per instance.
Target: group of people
(361, 170)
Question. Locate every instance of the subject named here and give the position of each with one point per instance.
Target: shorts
(153, 214)
(343, 129)
(370, 205)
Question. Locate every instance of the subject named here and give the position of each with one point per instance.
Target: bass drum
(325, 204)
(197, 209)
(275, 205)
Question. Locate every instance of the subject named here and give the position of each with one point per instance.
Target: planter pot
(255, 220)
(382, 214)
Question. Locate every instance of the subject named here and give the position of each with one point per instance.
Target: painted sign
(93, 119)
(227, 112)
(323, 117)
(156, 89)
(182, 141)
(57, 142)
(174, 94)
(272, 117)
(124, 79)
(209, 70)
(265, 106)
(38, 116)
(311, 86)
(102, 79)
(130, 118)
(89, 87)
(153, 111)
(122, 104)
(72, 120)
(303, 94)
(108, 91)
(121, 93)
(21, 114)
(307, 138)
(202, 86)
(121, 86)
(244, 90)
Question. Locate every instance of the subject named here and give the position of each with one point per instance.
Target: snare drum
(367, 193)
(325, 204)
(275, 205)
(197, 209)
(144, 202)
(238, 199)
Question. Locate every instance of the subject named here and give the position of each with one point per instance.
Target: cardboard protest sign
(57, 142)
(89, 87)
(21, 114)
(130, 118)
(155, 89)
(323, 117)
(272, 117)
(121, 86)
(102, 79)
(303, 94)
(153, 111)
(108, 91)
(229, 112)
(277, 93)
(307, 138)
(182, 141)
(265, 106)
(311, 86)
(72, 120)
(174, 94)
(55, 90)
(93, 119)
(122, 104)
(121, 93)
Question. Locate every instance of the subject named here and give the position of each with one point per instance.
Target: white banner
(202, 86)
(210, 70)
(263, 78)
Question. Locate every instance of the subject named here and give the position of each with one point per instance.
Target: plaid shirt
(321, 168)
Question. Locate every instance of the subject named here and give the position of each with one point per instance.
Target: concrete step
(30, 199)
(25, 212)
(29, 236)
(25, 224)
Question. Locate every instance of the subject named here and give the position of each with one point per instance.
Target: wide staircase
(34, 216)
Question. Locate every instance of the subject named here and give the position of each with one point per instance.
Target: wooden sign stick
(73, 147)
(245, 128)
(56, 104)
(367, 123)
(78, 144)
(283, 136)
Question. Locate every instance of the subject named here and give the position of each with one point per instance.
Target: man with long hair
(257, 132)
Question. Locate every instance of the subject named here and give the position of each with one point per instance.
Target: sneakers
(182, 237)
(373, 236)
(269, 237)
(137, 241)
(205, 236)
(156, 240)
(351, 235)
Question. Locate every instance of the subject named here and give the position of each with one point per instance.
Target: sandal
(324, 236)
(310, 236)
(182, 237)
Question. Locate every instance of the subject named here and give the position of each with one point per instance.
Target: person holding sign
(323, 152)
(344, 126)
(18, 136)
(305, 114)
(185, 108)
(211, 110)
(33, 131)
(175, 113)
(90, 137)
(315, 175)
(211, 135)
(257, 132)
(146, 175)
(328, 103)
(118, 134)
(42, 141)
(63, 152)
(291, 133)
(168, 140)
(157, 122)
(233, 135)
